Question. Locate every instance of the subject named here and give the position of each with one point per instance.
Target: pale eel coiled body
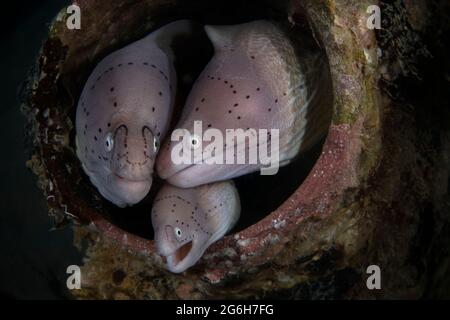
(256, 80)
(188, 221)
(123, 114)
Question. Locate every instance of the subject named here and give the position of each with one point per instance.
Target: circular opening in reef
(260, 195)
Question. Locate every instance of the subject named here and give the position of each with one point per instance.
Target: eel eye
(178, 232)
(109, 142)
(194, 141)
(155, 144)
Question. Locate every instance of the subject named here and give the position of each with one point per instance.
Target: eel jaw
(182, 258)
(129, 192)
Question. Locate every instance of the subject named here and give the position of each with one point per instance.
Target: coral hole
(261, 196)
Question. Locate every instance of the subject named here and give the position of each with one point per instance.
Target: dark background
(33, 260)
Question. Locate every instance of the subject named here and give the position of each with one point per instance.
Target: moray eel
(256, 80)
(123, 114)
(188, 221)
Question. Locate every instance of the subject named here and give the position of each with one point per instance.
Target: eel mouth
(121, 178)
(126, 191)
(175, 260)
